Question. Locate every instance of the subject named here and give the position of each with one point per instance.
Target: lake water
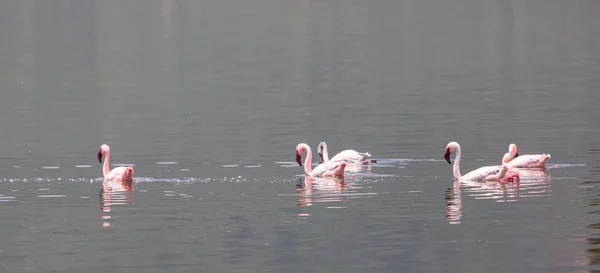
(209, 99)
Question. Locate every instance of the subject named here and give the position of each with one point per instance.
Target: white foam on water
(51, 196)
(123, 164)
(166, 163)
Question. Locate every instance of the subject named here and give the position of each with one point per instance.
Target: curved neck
(106, 165)
(456, 166)
(325, 154)
(512, 152)
(506, 158)
(308, 160)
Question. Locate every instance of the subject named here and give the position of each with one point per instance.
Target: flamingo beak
(298, 159)
(100, 157)
(517, 154)
(447, 156)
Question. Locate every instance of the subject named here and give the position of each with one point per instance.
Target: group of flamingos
(334, 167)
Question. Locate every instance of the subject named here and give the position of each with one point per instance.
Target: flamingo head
(512, 153)
(103, 150)
(322, 146)
(512, 149)
(450, 148)
(299, 152)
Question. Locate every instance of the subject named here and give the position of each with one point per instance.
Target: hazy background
(209, 99)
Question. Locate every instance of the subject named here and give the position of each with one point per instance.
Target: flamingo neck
(106, 165)
(512, 152)
(506, 158)
(325, 154)
(456, 166)
(308, 160)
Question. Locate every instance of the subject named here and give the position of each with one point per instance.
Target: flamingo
(120, 176)
(327, 169)
(487, 173)
(513, 160)
(348, 156)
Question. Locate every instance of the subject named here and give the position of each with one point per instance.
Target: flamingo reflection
(112, 195)
(454, 203)
(320, 190)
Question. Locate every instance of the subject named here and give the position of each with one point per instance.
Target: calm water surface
(209, 98)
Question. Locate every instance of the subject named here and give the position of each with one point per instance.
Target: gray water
(209, 99)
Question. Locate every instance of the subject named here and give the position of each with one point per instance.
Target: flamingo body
(486, 173)
(327, 169)
(529, 161)
(348, 156)
(120, 174)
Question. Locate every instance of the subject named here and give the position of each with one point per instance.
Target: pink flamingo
(487, 173)
(122, 176)
(322, 170)
(513, 160)
(348, 156)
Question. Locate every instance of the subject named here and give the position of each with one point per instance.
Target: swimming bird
(348, 156)
(322, 170)
(513, 160)
(487, 173)
(119, 175)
